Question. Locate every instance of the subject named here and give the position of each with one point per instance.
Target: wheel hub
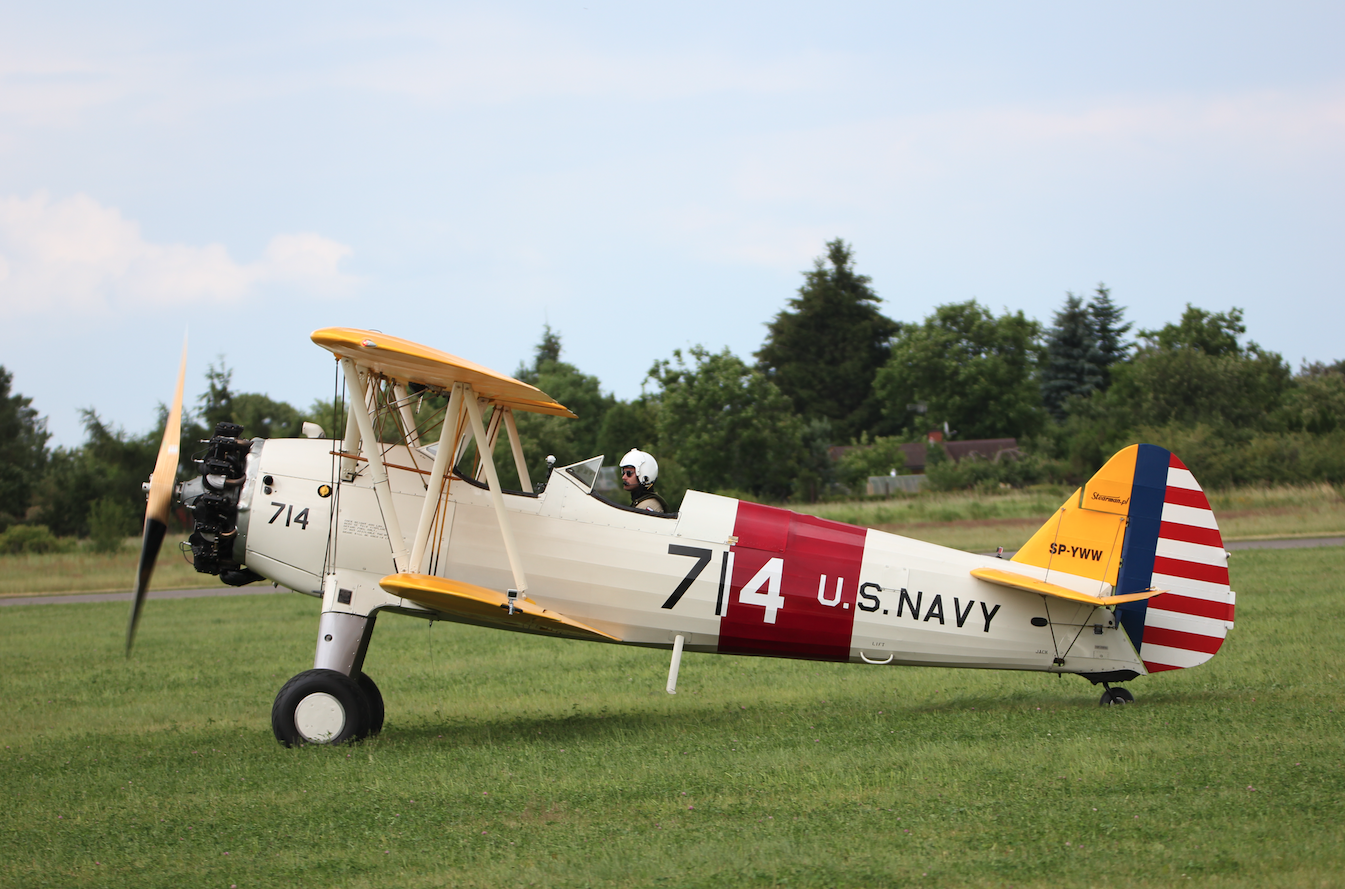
(319, 717)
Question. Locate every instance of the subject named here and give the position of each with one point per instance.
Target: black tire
(373, 703)
(1116, 696)
(319, 707)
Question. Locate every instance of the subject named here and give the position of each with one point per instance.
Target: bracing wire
(338, 409)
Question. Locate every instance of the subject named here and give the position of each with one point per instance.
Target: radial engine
(214, 498)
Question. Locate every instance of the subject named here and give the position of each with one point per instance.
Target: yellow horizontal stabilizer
(1032, 585)
(482, 606)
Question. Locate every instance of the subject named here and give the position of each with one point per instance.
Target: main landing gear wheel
(1116, 696)
(320, 707)
(373, 702)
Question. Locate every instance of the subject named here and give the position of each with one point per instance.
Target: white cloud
(307, 259)
(78, 254)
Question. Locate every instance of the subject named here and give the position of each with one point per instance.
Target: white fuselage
(767, 581)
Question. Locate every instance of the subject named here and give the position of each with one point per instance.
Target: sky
(640, 178)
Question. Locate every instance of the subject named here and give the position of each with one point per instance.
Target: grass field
(510, 760)
(84, 571)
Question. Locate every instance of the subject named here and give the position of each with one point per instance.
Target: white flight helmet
(646, 467)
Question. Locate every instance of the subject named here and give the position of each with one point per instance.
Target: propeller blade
(160, 497)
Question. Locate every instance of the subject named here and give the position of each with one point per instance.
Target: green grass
(514, 761)
(1248, 513)
(932, 506)
(83, 571)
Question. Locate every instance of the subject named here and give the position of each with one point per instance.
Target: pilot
(639, 471)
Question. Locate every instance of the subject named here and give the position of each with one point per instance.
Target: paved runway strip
(1290, 543)
(72, 598)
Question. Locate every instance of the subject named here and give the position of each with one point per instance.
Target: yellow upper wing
(410, 362)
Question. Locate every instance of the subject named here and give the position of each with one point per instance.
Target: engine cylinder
(212, 499)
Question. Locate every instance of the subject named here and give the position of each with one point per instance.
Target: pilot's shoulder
(652, 503)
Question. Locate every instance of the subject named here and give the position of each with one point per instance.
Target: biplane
(1128, 577)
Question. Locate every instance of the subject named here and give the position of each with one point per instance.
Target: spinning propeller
(160, 489)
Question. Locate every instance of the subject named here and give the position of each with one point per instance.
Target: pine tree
(1108, 331)
(545, 353)
(823, 351)
(568, 440)
(23, 450)
(1074, 363)
(1081, 348)
(216, 404)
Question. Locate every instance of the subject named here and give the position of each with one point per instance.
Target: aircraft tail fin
(1143, 522)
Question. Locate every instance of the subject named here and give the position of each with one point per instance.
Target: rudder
(1142, 522)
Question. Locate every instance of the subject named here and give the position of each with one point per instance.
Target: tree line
(95, 490)
(832, 370)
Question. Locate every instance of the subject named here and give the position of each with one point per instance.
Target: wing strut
(383, 490)
(517, 446)
(404, 411)
(496, 495)
(492, 436)
(443, 456)
(350, 446)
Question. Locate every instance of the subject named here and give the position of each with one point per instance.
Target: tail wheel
(1116, 696)
(373, 701)
(320, 707)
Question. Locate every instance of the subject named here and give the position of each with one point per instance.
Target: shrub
(879, 456)
(110, 522)
(32, 539)
(1221, 458)
(1004, 470)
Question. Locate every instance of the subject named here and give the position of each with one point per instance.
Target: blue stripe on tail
(1141, 540)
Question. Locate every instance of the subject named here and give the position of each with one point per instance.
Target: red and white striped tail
(1186, 626)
